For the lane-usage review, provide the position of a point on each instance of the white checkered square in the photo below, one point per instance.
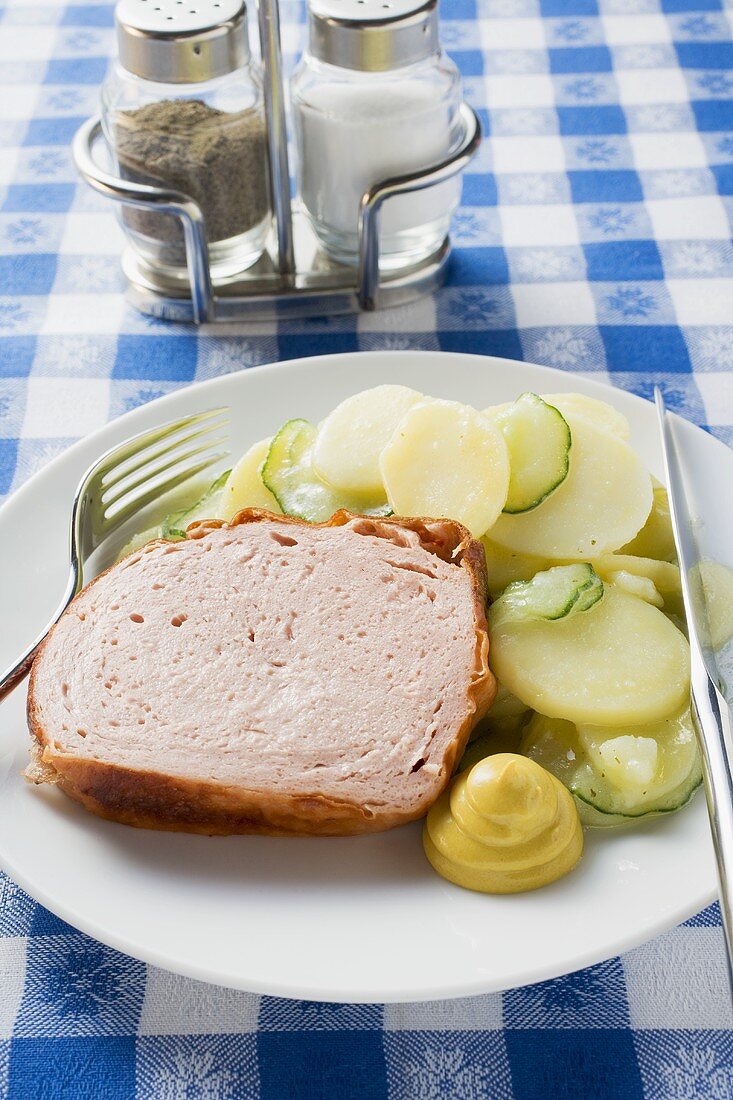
(65, 407)
(19, 100)
(539, 225)
(528, 154)
(701, 301)
(641, 86)
(666, 151)
(700, 217)
(528, 90)
(92, 234)
(458, 1014)
(512, 34)
(679, 980)
(12, 979)
(716, 387)
(105, 315)
(175, 1005)
(636, 30)
(544, 304)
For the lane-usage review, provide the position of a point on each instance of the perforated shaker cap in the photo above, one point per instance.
(181, 41)
(372, 35)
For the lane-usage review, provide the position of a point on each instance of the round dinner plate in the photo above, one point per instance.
(353, 919)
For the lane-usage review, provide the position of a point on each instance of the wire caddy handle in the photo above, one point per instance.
(294, 278)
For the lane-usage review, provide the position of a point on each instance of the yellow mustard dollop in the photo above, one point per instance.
(504, 826)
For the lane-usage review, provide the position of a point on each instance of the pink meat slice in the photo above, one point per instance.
(281, 658)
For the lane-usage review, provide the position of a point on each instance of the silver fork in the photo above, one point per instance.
(120, 483)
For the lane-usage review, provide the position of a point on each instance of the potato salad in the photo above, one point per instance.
(586, 623)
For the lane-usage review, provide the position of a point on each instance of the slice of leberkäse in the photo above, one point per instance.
(269, 676)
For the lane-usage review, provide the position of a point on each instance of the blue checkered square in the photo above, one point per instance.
(623, 260)
(153, 357)
(76, 987)
(27, 274)
(314, 1065)
(599, 1063)
(85, 1068)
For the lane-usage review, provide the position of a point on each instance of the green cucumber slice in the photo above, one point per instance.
(538, 439)
(289, 475)
(617, 775)
(552, 594)
(174, 526)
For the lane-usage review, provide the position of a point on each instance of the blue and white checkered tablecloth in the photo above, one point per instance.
(594, 236)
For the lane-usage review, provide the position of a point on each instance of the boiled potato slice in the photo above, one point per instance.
(351, 439)
(662, 574)
(504, 566)
(628, 761)
(602, 503)
(447, 460)
(656, 539)
(245, 488)
(597, 412)
(635, 585)
(621, 661)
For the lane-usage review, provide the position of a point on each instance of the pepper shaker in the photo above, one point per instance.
(375, 97)
(183, 107)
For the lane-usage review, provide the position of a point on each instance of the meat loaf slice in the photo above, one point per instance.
(268, 676)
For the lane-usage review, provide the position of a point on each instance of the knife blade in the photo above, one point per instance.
(710, 710)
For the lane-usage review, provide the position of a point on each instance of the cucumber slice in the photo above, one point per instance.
(553, 594)
(538, 439)
(206, 507)
(289, 475)
(618, 775)
(602, 503)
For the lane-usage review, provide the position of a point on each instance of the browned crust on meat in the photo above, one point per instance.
(154, 800)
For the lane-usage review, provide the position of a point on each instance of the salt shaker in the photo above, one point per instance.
(183, 107)
(374, 97)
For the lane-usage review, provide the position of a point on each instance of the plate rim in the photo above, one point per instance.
(129, 946)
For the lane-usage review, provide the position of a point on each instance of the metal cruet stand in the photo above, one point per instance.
(294, 278)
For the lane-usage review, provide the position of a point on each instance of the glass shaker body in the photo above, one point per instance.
(354, 129)
(206, 139)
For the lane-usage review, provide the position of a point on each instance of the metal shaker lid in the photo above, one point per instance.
(181, 41)
(372, 35)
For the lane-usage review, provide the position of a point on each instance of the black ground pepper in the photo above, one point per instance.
(219, 158)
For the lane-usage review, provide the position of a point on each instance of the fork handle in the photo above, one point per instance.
(18, 671)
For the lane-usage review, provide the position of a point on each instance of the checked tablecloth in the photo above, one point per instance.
(594, 236)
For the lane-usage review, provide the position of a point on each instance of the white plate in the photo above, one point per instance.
(360, 919)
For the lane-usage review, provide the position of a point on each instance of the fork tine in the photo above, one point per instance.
(116, 456)
(146, 473)
(146, 454)
(173, 482)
